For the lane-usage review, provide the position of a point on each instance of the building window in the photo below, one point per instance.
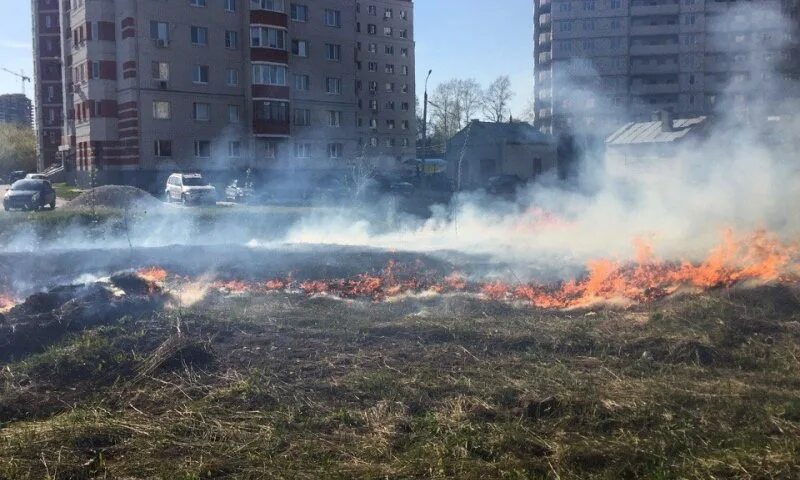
(302, 150)
(200, 74)
(199, 36)
(373, 123)
(266, 74)
(273, 5)
(615, 4)
(373, 105)
(372, 66)
(372, 48)
(405, 125)
(161, 110)
(372, 29)
(373, 142)
(232, 77)
(333, 18)
(373, 10)
(268, 37)
(387, 31)
(333, 85)
(202, 148)
(405, 106)
(159, 31)
(234, 114)
(404, 33)
(272, 111)
(302, 117)
(231, 39)
(389, 142)
(299, 12)
(334, 118)
(389, 87)
(389, 49)
(389, 105)
(162, 148)
(588, 5)
(94, 70)
(389, 68)
(234, 149)
(404, 70)
(270, 150)
(201, 112)
(302, 83)
(300, 48)
(230, 5)
(404, 14)
(197, 3)
(160, 71)
(333, 52)
(335, 150)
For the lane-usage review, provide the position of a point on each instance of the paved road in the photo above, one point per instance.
(59, 201)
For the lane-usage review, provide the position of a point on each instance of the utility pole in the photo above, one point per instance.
(425, 121)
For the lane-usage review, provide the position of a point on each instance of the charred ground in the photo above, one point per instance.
(287, 386)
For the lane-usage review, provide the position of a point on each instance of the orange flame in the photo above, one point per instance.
(6, 303)
(757, 258)
(152, 274)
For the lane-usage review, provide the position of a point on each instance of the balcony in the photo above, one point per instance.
(654, 88)
(663, 9)
(666, 49)
(663, 29)
(646, 68)
(544, 5)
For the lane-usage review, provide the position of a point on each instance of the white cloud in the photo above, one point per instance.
(15, 45)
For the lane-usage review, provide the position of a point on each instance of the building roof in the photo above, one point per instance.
(652, 132)
(505, 132)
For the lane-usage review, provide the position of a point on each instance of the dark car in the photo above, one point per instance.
(18, 175)
(30, 195)
(504, 184)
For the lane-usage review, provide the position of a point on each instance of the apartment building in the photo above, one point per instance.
(638, 56)
(155, 86)
(15, 108)
(48, 87)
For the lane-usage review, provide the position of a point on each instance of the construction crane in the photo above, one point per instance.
(21, 75)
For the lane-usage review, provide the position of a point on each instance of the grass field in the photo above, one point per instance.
(285, 386)
(66, 192)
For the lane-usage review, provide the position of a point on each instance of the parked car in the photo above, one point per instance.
(36, 176)
(30, 195)
(238, 193)
(18, 175)
(189, 189)
(404, 189)
(504, 184)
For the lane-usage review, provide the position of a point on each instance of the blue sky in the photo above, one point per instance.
(455, 38)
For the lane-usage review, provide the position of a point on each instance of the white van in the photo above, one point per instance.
(189, 188)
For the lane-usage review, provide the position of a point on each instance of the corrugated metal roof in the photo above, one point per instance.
(651, 132)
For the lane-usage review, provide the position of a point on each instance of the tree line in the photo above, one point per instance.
(453, 104)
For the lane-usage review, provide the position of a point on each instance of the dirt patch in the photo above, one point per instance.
(114, 196)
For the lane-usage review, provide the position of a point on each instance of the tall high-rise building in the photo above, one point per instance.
(637, 56)
(219, 85)
(48, 90)
(15, 108)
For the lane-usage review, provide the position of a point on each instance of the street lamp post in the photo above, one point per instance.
(425, 121)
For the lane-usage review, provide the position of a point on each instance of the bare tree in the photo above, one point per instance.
(469, 94)
(445, 109)
(529, 114)
(496, 100)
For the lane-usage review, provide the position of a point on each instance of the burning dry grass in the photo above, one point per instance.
(282, 385)
(755, 259)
